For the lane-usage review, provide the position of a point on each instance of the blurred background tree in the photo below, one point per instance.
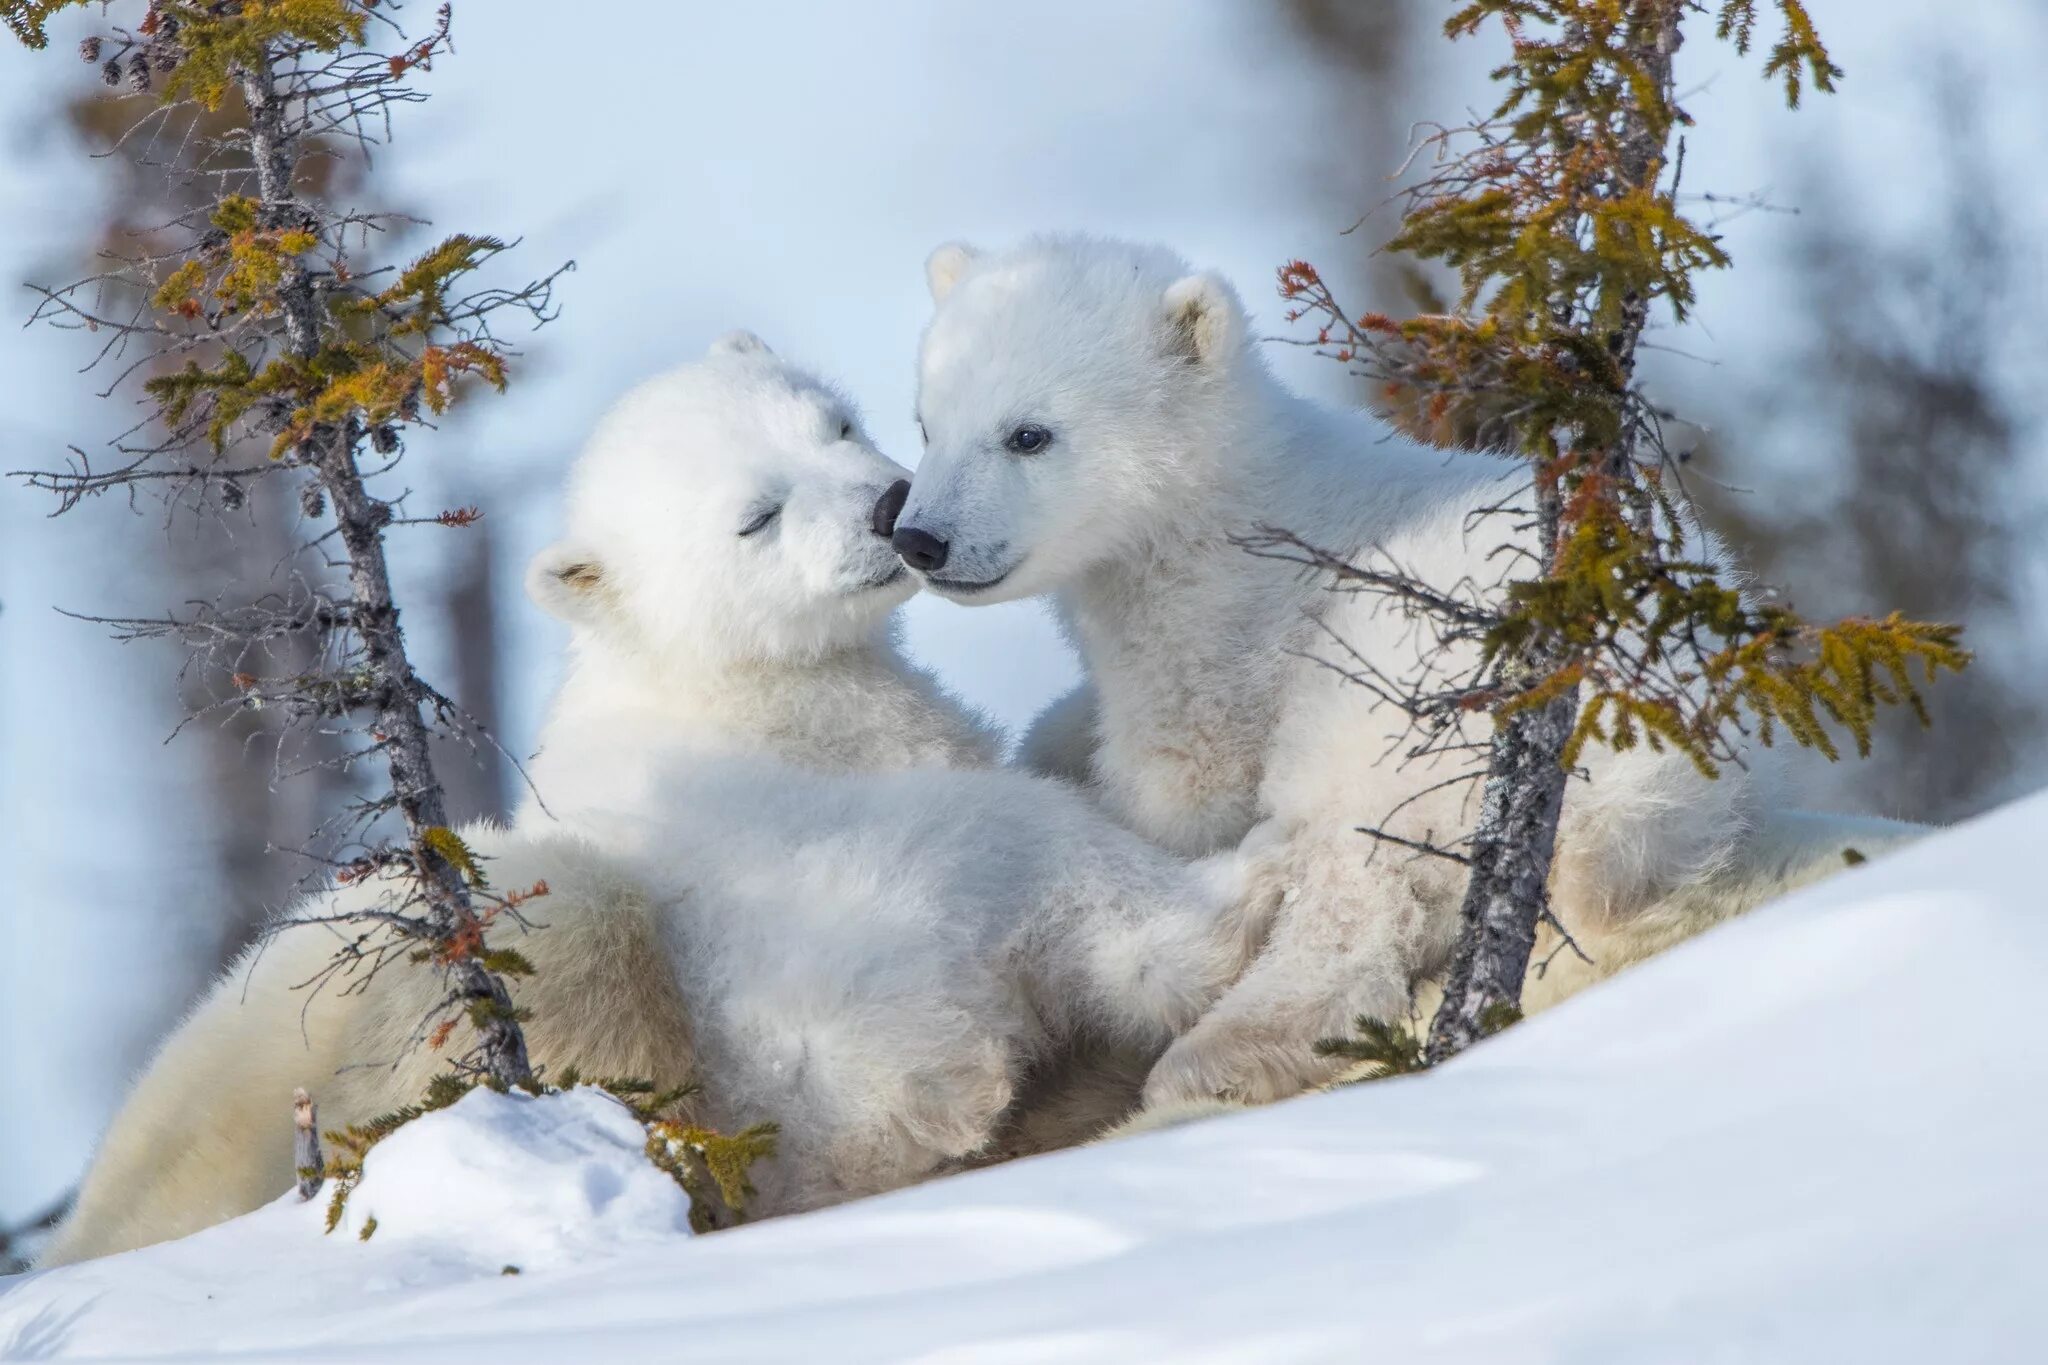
(1907, 388)
(249, 813)
(1366, 56)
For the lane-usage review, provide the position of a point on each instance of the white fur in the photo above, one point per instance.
(1170, 436)
(882, 964)
(1062, 739)
(761, 874)
(206, 1134)
(689, 637)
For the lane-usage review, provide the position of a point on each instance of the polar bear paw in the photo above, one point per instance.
(954, 1109)
(1242, 1061)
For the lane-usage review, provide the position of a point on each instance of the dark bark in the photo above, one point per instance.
(1508, 894)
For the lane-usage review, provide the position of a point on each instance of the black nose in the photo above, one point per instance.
(921, 550)
(883, 519)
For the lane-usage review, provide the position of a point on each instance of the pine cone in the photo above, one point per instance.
(313, 502)
(89, 50)
(138, 71)
(111, 72)
(231, 495)
(385, 440)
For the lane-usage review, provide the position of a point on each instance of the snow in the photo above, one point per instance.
(575, 1166)
(1811, 1135)
(494, 1181)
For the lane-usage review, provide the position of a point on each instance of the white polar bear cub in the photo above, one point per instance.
(728, 591)
(761, 876)
(1099, 426)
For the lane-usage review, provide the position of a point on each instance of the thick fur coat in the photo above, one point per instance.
(1099, 428)
(776, 862)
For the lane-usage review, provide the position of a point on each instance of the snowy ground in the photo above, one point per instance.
(1812, 1136)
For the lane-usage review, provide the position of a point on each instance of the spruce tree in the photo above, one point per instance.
(265, 339)
(1560, 214)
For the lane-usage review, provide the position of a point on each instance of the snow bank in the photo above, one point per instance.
(514, 1180)
(491, 1186)
(1813, 1135)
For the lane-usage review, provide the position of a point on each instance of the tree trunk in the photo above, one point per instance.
(473, 771)
(1508, 894)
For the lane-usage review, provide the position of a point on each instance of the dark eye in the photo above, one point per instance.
(1028, 439)
(846, 431)
(759, 520)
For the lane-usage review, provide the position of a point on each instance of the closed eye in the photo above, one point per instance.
(760, 519)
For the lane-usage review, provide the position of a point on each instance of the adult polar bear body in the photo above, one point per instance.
(791, 900)
(1099, 427)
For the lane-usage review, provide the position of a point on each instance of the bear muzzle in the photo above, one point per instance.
(888, 507)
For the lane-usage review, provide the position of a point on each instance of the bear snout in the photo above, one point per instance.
(890, 506)
(920, 549)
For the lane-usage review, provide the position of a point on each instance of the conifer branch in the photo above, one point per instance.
(264, 344)
(1561, 214)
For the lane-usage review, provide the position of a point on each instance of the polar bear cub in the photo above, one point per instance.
(762, 875)
(1099, 427)
(727, 591)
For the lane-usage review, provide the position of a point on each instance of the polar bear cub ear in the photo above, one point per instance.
(946, 266)
(568, 580)
(1205, 321)
(740, 342)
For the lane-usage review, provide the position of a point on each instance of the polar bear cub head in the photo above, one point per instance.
(1070, 392)
(726, 511)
